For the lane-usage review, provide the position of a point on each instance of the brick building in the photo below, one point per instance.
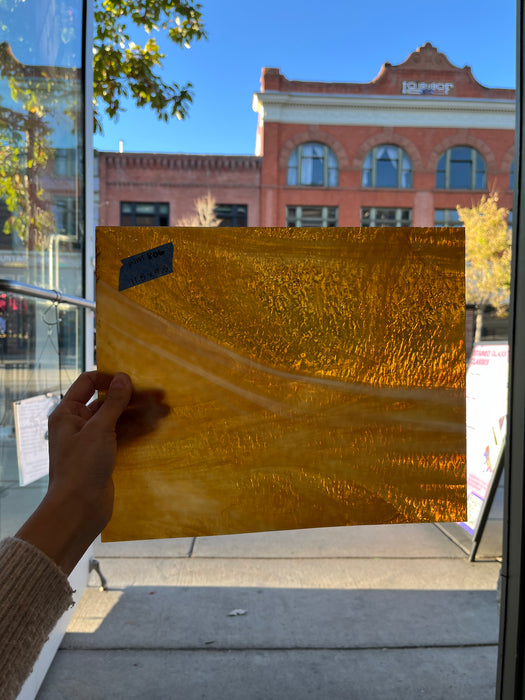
(404, 149)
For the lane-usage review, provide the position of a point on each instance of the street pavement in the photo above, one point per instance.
(386, 612)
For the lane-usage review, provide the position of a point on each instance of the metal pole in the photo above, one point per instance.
(29, 290)
(89, 206)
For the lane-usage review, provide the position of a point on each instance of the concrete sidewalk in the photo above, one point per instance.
(362, 613)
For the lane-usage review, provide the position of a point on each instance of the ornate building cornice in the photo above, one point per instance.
(384, 110)
(426, 71)
(180, 161)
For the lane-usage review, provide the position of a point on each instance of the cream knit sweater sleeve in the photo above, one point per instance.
(34, 593)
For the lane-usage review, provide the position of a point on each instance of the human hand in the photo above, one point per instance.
(83, 445)
(82, 449)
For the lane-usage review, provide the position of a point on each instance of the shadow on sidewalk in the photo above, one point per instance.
(182, 642)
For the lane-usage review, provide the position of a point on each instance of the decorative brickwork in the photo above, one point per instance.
(314, 134)
(463, 138)
(180, 161)
(388, 136)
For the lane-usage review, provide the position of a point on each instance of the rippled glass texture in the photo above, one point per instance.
(315, 377)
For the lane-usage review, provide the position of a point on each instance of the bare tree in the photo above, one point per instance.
(204, 214)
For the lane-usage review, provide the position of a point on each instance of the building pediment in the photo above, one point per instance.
(426, 72)
(427, 58)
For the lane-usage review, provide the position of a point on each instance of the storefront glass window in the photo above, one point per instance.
(42, 219)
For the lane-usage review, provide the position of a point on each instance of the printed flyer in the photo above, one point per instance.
(487, 386)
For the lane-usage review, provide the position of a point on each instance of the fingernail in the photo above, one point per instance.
(120, 381)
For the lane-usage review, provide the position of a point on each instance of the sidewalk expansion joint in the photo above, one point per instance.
(192, 547)
(321, 557)
(208, 648)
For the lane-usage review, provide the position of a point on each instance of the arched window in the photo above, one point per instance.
(387, 166)
(461, 168)
(313, 164)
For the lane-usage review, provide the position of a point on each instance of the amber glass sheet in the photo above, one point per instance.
(315, 377)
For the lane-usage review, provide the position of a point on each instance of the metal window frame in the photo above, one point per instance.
(446, 219)
(475, 158)
(298, 168)
(398, 217)
(326, 221)
(510, 682)
(68, 157)
(89, 204)
(234, 215)
(401, 153)
(156, 213)
(301, 157)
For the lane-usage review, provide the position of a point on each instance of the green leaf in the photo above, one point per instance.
(123, 66)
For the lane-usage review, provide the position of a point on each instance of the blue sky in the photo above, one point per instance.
(341, 40)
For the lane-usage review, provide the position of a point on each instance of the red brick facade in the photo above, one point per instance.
(178, 180)
(424, 106)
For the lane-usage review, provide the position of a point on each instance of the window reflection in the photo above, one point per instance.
(144, 214)
(312, 216)
(447, 217)
(40, 132)
(313, 164)
(41, 216)
(461, 168)
(232, 214)
(384, 216)
(387, 166)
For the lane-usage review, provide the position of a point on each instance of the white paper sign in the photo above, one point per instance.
(31, 436)
(487, 379)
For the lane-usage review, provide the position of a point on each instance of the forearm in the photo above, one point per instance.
(60, 529)
(34, 593)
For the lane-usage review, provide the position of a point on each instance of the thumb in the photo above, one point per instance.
(117, 398)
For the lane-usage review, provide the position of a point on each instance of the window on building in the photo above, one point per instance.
(387, 166)
(232, 214)
(313, 164)
(67, 215)
(144, 214)
(311, 216)
(5, 239)
(8, 241)
(447, 217)
(65, 162)
(461, 168)
(383, 216)
(511, 177)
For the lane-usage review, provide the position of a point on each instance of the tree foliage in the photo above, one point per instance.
(124, 69)
(487, 255)
(23, 156)
(204, 214)
(38, 96)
